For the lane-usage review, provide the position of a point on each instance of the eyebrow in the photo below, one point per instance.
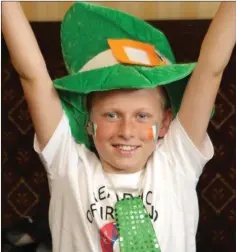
(116, 110)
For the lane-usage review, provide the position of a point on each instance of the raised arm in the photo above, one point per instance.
(204, 83)
(43, 102)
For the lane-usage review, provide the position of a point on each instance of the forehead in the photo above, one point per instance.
(148, 95)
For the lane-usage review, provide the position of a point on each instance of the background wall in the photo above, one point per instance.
(54, 11)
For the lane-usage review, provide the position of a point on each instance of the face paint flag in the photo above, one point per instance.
(152, 132)
(94, 128)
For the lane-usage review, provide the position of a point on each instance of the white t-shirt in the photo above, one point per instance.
(81, 214)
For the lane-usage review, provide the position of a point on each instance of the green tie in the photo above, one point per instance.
(134, 225)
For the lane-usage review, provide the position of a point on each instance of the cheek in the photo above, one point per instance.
(149, 133)
(104, 132)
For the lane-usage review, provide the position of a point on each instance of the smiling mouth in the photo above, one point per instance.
(126, 148)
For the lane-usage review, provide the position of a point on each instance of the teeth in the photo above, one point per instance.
(126, 147)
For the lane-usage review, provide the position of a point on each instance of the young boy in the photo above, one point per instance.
(118, 128)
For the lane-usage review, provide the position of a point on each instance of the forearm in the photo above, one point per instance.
(22, 45)
(220, 40)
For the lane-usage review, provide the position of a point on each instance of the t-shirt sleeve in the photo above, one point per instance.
(183, 154)
(59, 150)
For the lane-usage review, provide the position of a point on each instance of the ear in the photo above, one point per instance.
(166, 120)
(90, 128)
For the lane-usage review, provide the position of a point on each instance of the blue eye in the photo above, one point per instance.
(111, 115)
(143, 116)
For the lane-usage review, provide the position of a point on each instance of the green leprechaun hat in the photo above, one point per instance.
(107, 49)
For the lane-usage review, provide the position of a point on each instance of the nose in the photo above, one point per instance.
(126, 129)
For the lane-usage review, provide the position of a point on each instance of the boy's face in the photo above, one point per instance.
(124, 120)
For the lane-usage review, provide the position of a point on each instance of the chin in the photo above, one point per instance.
(114, 164)
(127, 167)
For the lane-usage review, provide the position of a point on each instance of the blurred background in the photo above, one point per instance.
(54, 11)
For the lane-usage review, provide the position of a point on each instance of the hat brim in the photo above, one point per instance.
(122, 76)
(73, 89)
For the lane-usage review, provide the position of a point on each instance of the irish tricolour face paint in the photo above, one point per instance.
(94, 129)
(152, 133)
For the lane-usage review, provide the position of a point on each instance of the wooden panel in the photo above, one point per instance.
(54, 11)
(167, 10)
(45, 11)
